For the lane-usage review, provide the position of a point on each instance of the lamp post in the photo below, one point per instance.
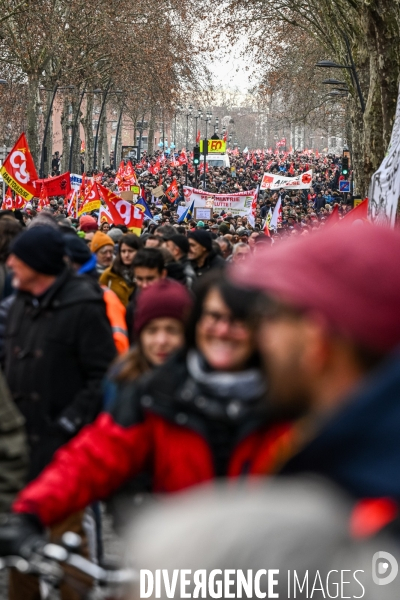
(98, 123)
(199, 116)
(330, 64)
(188, 114)
(216, 125)
(205, 145)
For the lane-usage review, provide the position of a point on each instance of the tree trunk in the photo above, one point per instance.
(65, 122)
(87, 123)
(150, 139)
(100, 141)
(32, 116)
(48, 142)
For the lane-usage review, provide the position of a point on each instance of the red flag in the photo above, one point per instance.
(225, 137)
(8, 201)
(43, 198)
(130, 175)
(55, 186)
(122, 212)
(92, 199)
(334, 217)
(19, 202)
(19, 170)
(120, 173)
(198, 137)
(360, 212)
(291, 169)
(172, 191)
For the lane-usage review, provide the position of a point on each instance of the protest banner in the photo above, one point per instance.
(271, 181)
(237, 204)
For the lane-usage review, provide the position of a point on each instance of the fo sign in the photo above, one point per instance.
(214, 146)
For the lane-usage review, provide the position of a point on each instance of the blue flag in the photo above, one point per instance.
(187, 215)
(143, 206)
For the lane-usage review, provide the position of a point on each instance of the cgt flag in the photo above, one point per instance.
(122, 212)
(19, 170)
(172, 192)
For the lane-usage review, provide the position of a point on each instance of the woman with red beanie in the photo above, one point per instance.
(161, 312)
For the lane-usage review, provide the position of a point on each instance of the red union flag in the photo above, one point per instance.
(55, 186)
(122, 212)
(172, 191)
(8, 201)
(92, 199)
(19, 170)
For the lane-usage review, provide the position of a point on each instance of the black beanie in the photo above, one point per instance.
(42, 248)
(201, 237)
(77, 250)
(181, 241)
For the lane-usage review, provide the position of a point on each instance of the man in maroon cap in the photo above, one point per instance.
(329, 333)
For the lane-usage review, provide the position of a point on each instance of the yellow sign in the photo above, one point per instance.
(14, 185)
(214, 146)
(357, 202)
(135, 189)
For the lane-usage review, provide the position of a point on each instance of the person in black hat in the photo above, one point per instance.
(202, 253)
(58, 343)
(178, 246)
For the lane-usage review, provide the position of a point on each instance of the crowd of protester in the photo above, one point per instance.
(195, 351)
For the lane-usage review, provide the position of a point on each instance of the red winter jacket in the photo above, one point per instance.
(151, 427)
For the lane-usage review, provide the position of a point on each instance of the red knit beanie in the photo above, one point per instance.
(164, 298)
(88, 223)
(348, 274)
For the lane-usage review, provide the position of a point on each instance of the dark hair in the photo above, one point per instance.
(131, 240)
(9, 228)
(151, 258)
(166, 231)
(241, 302)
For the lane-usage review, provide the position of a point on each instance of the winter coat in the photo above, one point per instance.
(213, 261)
(57, 350)
(117, 284)
(13, 449)
(5, 306)
(358, 448)
(166, 429)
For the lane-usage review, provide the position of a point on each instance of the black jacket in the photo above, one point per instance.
(213, 261)
(57, 350)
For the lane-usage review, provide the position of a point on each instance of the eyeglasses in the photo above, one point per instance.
(212, 318)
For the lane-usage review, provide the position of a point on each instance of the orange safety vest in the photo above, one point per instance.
(116, 314)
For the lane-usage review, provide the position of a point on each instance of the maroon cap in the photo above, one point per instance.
(349, 274)
(88, 223)
(164, 298)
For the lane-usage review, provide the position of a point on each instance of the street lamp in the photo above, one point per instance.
(199, 116)
(334, 82)
(330, 64)
(216, 125)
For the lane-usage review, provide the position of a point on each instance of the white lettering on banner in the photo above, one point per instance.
(238, 204)
(76, 181)
(276, 182)
(124, 209)
(20, 173)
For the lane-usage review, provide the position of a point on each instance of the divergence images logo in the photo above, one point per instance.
(384, 568)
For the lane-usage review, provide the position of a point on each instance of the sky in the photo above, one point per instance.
(230, 72)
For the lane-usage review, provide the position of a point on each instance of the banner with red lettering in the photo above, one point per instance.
(19, 171)
(271, 181)
(237, 204)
